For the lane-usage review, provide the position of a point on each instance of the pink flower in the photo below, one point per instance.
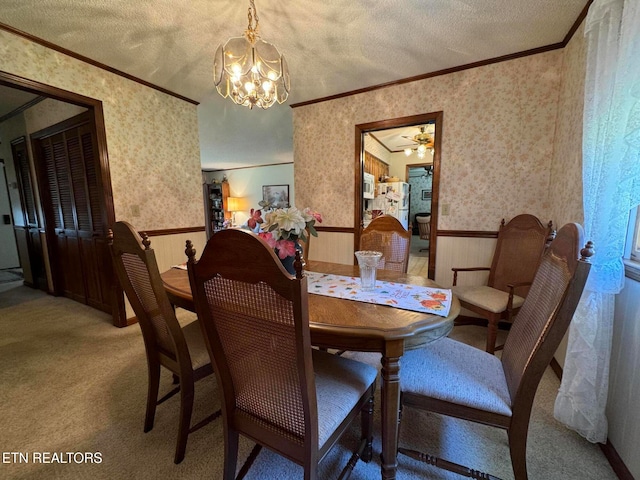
(268, 237)
(310, 214)
(286, 248)
(255, 218)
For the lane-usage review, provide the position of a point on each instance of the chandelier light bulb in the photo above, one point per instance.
(422, 149)
(407, 151)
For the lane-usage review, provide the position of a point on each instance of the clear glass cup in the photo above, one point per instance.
(368, 263)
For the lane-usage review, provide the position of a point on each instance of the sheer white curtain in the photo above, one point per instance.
(611, 186)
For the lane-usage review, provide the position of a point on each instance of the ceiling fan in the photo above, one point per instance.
(424, 142)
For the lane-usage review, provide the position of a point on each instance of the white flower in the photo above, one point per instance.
(284, 222)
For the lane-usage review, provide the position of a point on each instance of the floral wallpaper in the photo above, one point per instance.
(497, 141)
(565, 194)
(152, 138)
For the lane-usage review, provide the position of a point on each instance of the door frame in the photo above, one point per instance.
(363, 128)
(33, 86)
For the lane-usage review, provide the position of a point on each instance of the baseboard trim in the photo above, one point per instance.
(610, 453)
(132, 320)
(617, 464)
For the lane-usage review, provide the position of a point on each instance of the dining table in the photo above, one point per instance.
(345, 324)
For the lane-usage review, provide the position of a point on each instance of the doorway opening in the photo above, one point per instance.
(417, 144)
(111, 298)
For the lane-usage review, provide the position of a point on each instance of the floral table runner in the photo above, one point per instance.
(416, 298)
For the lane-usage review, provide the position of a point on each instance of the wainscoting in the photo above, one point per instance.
(169, 250)
(624, 381)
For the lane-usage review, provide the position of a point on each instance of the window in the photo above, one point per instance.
(632, 250)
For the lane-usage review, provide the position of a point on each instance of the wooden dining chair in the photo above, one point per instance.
(181, 350)
(387, 235)
(276, 389)
(452, 378)
(519, 248)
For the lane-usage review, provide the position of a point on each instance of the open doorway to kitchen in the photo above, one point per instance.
(411, 134)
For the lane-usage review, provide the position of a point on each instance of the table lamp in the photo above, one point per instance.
(233, 206)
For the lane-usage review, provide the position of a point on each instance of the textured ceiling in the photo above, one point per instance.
(333, 46)
(396, 139)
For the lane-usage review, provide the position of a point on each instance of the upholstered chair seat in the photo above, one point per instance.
(486, 298)
(340, 383)
(195, 343)
(466, 376)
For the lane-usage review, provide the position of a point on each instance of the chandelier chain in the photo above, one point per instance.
(252, 13)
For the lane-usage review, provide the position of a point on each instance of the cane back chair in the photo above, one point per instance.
(520, 245)
(276, 389)
(387, 235)
(452, 378)
(181, 350)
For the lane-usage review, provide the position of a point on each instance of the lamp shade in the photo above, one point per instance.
(233, 204)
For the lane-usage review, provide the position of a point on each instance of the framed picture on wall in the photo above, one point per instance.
(277, 196)
(426, 194)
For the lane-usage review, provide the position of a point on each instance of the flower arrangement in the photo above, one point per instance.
(282, 227)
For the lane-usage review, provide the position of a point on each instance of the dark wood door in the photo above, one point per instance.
(74, 211)
(26, 225)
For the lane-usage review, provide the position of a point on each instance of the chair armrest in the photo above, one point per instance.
(471, 269)
(513, 286)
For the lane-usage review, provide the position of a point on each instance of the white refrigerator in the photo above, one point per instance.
(393, 199)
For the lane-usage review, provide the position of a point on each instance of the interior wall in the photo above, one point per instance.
(399, 162)
(492, 119)
(10, 129)
(624, 381)
(152, 137)
(565, 189)
(376, 149)
(8, 252)
(247, 184)
(49, 112)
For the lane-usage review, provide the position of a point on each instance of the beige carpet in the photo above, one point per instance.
(71, 382)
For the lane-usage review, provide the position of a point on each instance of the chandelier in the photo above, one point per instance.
(424, 143)
(249, 70)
